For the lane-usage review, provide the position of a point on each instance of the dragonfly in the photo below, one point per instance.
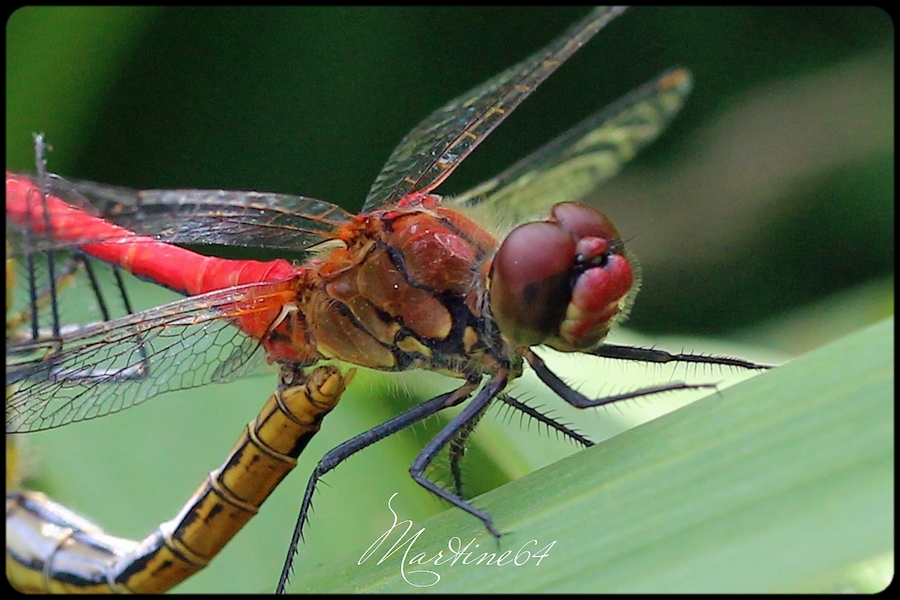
(52, 549)
(465, 286)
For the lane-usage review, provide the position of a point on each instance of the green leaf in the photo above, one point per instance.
(763, 487)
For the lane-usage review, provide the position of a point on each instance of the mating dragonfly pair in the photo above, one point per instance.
(415, 281)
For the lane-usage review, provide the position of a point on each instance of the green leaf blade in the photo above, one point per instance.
(774, 482)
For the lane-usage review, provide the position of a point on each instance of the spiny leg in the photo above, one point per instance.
(661, 356)
(579, 400)
(457, 446)
(459, 423)
(457, 450)
(342, 452)
(547, 420)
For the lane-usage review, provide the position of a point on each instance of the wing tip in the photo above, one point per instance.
(678, 79)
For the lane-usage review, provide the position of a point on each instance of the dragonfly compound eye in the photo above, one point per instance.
(585, 222)
(561, 282)
(530, 287)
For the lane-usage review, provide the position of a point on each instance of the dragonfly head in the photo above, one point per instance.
(561, 282)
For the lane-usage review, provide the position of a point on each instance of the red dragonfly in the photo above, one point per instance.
(414, 281)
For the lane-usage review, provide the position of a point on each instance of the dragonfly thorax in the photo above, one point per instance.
(406, 290)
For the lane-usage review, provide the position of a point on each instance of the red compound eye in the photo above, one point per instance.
(560, 282)
(530, 286)
(584, 221)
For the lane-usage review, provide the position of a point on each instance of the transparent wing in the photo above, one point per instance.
(215, 217)
(435, 147)
(574, 164)
(105, 367)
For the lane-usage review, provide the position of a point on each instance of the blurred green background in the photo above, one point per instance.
(764, 214)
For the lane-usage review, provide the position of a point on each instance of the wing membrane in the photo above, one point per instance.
(209, 217)
(435, 147)
(109, 366)
(574, 164)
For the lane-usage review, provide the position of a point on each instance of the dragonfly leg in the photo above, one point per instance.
(547, 420)
(579, 400)
(457, 446)
(661, 356)
(45, 293)
(459, 423)
(340, 453)
(457, 450)
(32, 348)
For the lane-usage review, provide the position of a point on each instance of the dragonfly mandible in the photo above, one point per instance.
(414, 281)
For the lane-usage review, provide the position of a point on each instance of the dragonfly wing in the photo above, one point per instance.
(105, 367)
(209, 217)
(574, 164)
(435, 147)
(221, 217)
